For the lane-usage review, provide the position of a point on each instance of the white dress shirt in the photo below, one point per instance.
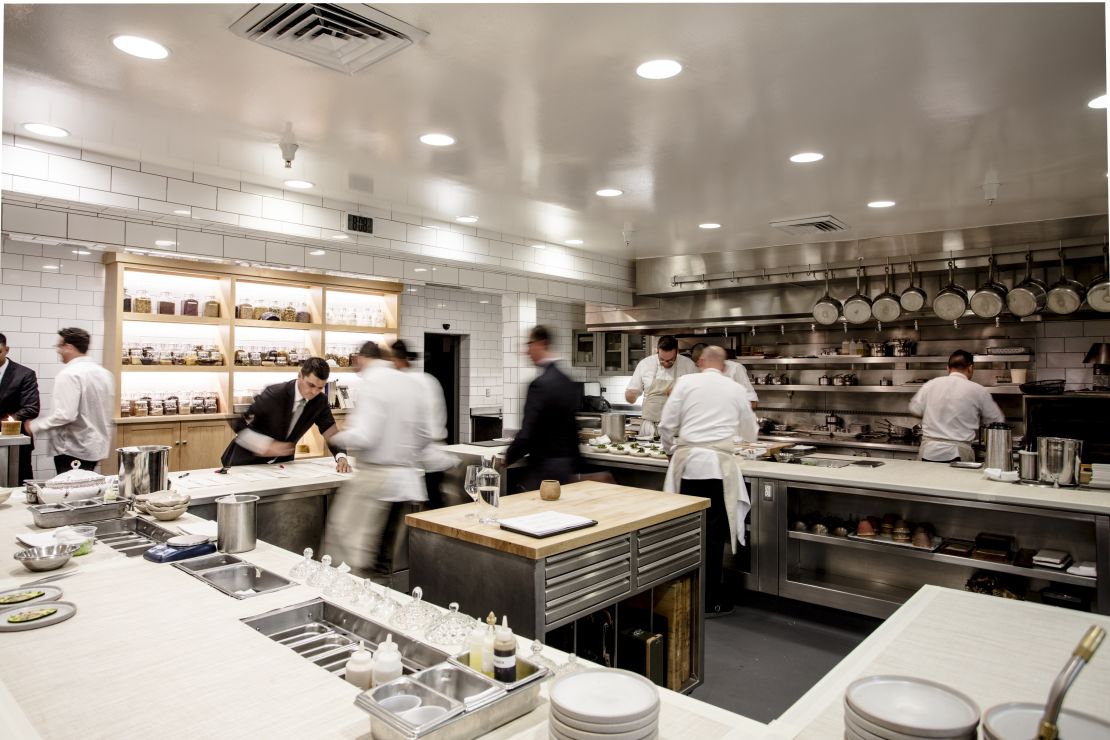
(706, 407)
(952, 408)
(80, 424)
(390, 426)
(649, 369)
(739, 373)
(3, 370)
(434, 459)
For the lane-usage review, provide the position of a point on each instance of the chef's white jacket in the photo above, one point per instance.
(739, 373)
(648, 370)
(706, 407)
(80, 424)
(952, 408)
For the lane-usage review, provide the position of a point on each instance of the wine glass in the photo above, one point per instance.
(470, 485)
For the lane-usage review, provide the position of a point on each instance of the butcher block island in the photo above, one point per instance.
(626, 591)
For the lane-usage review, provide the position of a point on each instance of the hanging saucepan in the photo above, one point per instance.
(1027, 297)
(827, 309)
(1065, 296)
(1098, 292)
(951, 302)
(989, 300)
(913, 298)
(886, 306)
(857, 309)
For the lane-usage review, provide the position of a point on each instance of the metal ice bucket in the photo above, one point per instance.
(143, 469)
(1058, 460)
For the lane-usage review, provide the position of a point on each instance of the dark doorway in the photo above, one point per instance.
(441, 360)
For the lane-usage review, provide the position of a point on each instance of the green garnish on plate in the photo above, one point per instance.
(21, 596)
(31, 615)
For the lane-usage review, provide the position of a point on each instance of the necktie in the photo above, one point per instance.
(298, 407)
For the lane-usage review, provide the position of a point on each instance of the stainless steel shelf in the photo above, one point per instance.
(1044, 574)
(848, 360)
(840, 592)
(1002, 390)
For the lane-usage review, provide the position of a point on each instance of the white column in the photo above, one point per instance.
(518, 316)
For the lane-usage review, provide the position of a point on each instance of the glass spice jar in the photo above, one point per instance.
(259, 311)
(185, 404)
(126, 301)
(197, 404)
(142, 303)
(289, 312)
(156, 406)
(125, 407)
(170, 405)
(140, 406)
(282, 358)
(204, 357)
(303, 316)
(216, 357)
(211, 403)
(189, 306)
(244, 310)
(256, 357)
(191, 356)
(242, 357)
(166, 304)
(211, 307)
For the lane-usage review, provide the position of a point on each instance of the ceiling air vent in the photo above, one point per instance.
(346, 38)
(822, 224)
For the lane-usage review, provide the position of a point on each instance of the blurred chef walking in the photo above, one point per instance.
(19, 400)
(387, 431)
(436, 461)
(733, 370)
(704, 414)
(952, 408)
(79, 427)
(654, 378)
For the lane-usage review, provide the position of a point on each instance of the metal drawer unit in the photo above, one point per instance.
(665, 550)
(577, 580)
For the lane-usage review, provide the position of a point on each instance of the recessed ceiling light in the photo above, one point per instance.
(573, 242)
(709, 226)
(880, 204)
(539, 246)
(437, 139)
(164, 242)
(1099, 102)
(807, 157)
(339, 236)
(299, 184)
(420, 269)
(45, 129)
(483, 301)
(610, 192)
(137, 46)
(659, 69)
(50, 267)
(467, 219)
(317, 253)
(182, 211)
(412, 290)
(81, 251)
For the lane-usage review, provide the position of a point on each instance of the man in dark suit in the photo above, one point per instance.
(19, 399)
(280, 415)
(548, 433)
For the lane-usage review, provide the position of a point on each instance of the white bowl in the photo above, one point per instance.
(167, 515)
(912, 706)
(1020, 720)
(604, 696)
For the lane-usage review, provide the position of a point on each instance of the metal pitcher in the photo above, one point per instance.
(143, 469)
(999, 443)
(612, 425)
(1058, 460)
(235, 523)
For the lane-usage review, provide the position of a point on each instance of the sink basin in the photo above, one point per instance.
(465, 687)
(241, 580)
(327, 635)
(130, 535)
(828, 462)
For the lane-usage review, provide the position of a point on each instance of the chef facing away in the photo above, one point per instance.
(952, 408)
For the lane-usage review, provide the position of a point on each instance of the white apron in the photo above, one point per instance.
(655, 398)
(737, 502)
(964, 449)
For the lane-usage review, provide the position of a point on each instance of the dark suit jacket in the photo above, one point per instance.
(270, 414)
(548, 433)
(19, 399)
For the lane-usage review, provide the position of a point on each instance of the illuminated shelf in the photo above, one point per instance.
(362, 329)
(266, 368)
(173, 368)
(158, 318)
(276, 324)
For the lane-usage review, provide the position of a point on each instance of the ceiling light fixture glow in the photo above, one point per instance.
(164, 242)
(81, 251)
(437, 139)
(137, 46)
(1099, 102)
(573, 242)
(539, 246)
(803, 157)
(339, 236)
(483, 301)
(45, 129)
(51, 267)
(659, 69)
(299, 184)
(182, 211)
(610, 192)
(317, 253)
(467, 219)
(880, 204)
(420, 269)
(709, 226)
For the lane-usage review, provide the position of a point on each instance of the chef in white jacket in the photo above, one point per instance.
(952, 408)
(435, 461)
(654, 377)
(387, 432)
(733, 370)
(703, 416)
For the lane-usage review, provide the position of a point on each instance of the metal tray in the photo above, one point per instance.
(49, 516)
(526, 671)
(885, 539)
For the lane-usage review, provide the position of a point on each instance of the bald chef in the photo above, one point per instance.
(655, 376)
(701, 419)
(952, 408)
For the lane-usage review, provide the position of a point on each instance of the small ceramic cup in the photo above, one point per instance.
(550, 490)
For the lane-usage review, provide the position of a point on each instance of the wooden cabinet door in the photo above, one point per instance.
(132, 435)
(202, 443)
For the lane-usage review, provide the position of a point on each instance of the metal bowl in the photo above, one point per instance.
(39, 559)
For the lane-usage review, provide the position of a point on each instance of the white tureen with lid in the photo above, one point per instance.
(73, 485)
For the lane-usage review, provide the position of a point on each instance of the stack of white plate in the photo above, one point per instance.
(604, 705)
(907, 708)
(1022, 720)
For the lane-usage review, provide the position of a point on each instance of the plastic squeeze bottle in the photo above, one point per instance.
(504, 653)
(387, 662)
(487, 646)
(475, 644)
(360, 667)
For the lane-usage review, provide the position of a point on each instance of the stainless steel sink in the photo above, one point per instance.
(234, 577)
(130, 535)
(828, 462)
(327, 635)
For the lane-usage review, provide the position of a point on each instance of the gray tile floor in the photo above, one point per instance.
(761, 658)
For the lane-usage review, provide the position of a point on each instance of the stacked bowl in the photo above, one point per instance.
(604, 704)
(1022, 720)
(163, 505)
(907, 708)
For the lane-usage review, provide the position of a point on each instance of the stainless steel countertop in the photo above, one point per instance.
(828, 441)
(14, 440)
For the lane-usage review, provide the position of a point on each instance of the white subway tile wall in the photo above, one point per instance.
(1061, 346)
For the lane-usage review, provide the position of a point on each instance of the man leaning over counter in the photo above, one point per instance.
(654, 377)
(733, 370)
(280, 415)
(952, 409)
